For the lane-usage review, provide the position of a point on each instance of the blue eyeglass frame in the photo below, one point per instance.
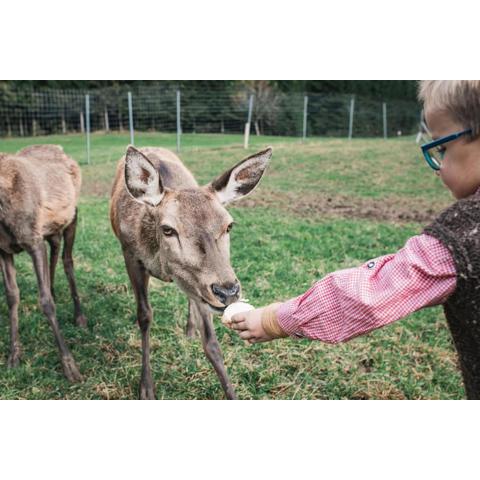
(432, 163)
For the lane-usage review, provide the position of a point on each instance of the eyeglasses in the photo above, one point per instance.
(433, 152)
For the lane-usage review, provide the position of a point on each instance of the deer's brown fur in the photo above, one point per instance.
(39, 190)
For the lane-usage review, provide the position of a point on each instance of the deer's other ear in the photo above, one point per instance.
(142, 179)
(242, 179)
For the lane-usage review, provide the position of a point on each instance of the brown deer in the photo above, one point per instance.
(39, 189)
(172, 229)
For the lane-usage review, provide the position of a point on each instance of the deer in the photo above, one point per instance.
(172, 229)
(39, 191)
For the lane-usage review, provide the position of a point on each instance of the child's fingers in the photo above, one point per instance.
(239, 326)
(246, 335)
(238, 317)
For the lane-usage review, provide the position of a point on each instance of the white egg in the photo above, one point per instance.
(234, 308)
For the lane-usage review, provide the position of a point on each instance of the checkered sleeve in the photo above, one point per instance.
(355, 301)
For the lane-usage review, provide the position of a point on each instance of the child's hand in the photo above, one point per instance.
(259, 325)
(249, 326)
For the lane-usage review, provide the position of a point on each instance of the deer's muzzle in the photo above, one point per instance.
(227, 293)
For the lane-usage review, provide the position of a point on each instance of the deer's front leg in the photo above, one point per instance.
(39, 257)
(212, 348)
(13, 299)
(139, 279)
(191, 329)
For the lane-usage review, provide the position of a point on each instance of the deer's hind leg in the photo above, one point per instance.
(54, 242)
(13, 299)
(212, 348)
(67, 257)
(139, 278)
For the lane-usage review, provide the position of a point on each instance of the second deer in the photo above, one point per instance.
(39, 189)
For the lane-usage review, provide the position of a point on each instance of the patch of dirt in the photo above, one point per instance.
(392, 209)
(321, 205)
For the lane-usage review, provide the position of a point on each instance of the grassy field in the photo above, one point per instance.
(324, 205)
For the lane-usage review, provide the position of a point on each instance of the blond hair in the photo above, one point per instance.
(458, 98)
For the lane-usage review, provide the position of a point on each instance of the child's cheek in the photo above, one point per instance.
(444, 174)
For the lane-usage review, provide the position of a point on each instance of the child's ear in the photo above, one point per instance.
(242, 179)
(142, 179)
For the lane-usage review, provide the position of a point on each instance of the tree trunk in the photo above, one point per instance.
(82, 123)
(120, 123)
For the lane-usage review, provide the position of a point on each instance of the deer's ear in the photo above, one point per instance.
(242, 179)
(142, 179)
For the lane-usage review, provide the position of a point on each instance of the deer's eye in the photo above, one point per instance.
(168, 231)
(229, 228)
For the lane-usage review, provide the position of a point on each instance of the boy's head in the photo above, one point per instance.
(452, 106)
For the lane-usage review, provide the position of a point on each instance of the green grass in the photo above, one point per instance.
(277, 251)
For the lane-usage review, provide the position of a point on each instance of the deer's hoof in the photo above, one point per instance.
(147, 392)
(81, 321)
(70, 370)
(13, 360)
(231, 395)
(191, 332)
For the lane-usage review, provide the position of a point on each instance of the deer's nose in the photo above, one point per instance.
(226, 293)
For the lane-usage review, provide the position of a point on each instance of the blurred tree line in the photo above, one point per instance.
(37, 107)
(378, 89)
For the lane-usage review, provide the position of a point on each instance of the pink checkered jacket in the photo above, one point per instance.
(355, 301)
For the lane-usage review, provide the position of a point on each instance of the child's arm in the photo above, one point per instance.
(352, 302)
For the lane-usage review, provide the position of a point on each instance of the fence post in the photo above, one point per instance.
(107, 123)
(130, 118)
(305, 107)
(384, 121)
(249, 121)
(87, 115)
(350, 123)
(82, 123)
(421, 128)
(179, 123)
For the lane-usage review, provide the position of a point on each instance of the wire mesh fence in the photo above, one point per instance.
(164, 109)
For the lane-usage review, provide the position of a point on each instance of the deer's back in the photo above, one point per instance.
(39, 189)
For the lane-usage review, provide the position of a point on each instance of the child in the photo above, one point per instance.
(440, 266)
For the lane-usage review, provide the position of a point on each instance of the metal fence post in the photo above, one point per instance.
(350, 122)
(130, 118)
(305, 107)
(249, 121)
(87, 115)
(106, 120)
(179, 123)
(384, 120)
